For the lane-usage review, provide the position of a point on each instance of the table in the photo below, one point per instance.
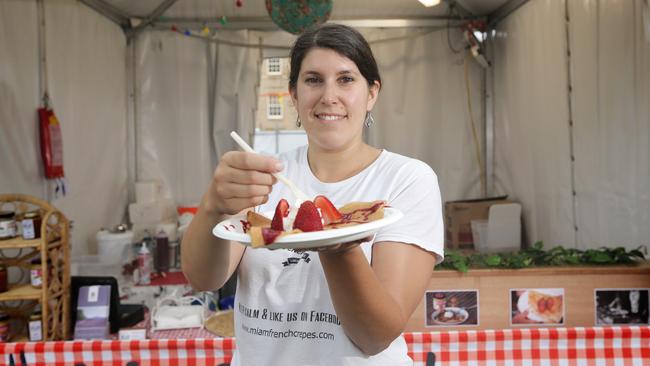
(590, 346)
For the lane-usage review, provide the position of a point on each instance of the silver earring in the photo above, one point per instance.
(298, 123)
(369, 119)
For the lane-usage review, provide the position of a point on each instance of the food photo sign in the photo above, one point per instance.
(451, 308)
(622, 306)
(532, 306)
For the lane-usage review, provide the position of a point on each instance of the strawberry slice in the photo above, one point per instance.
(327, 209)
(281, 211)
(307, 218)
(269, 235)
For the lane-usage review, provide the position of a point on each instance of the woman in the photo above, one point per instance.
(341, 305)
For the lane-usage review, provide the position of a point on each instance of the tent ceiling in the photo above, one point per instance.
(197, 10)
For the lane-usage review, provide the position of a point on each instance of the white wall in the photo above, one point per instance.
(608, 105)
(87, 84)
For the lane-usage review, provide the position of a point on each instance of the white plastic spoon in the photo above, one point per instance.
(300, 195)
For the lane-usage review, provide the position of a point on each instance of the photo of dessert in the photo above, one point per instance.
(537, 306)
(451, 308)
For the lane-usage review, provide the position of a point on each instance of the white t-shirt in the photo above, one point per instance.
(283, 311)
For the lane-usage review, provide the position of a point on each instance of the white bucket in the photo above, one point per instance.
(114, 247)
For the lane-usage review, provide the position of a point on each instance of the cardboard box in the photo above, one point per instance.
(458, 218)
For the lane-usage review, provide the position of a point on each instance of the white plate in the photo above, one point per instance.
(231, 229)
(463, 313)
(523, 305)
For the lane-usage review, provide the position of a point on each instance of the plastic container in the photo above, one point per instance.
(480, 235)
(144, 264)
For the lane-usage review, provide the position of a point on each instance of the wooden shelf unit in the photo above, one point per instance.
(53, 249)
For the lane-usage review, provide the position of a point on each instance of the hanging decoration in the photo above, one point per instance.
(239, 3)
(296, 16)
(223, 20)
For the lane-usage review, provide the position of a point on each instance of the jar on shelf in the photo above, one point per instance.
(4, 327)
(35, 327)
(36, 273)
(4, 283)
(31, 225)
(8, 228)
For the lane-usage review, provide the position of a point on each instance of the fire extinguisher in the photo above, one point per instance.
(51, 145)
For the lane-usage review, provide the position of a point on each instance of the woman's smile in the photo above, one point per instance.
(330, 117)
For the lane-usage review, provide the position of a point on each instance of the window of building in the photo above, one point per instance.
(273, 66)
(275, 117)
(274, 107)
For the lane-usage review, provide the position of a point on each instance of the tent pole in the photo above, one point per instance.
(131, 111)
(42, 67)
(155, 14)
(488, 120)
(109, 11)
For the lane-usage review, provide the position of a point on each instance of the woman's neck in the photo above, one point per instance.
(330, 167)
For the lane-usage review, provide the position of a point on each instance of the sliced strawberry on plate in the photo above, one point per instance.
(261, 236)
(281, 211)
(269, 235)
(327, 209)
(307, 218)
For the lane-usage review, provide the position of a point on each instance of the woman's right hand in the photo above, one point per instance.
(241, 180)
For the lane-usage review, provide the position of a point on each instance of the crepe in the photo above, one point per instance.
(546, 307)
(261, 232)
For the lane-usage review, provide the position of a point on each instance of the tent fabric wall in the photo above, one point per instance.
(611, 71)
(83, 49)
(172, 134)
(20, 169)
(176, 142)
(422, 108)
(610, 138)
(531, 118)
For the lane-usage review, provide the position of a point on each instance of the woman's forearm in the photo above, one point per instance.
(370, 316)
(205, 258)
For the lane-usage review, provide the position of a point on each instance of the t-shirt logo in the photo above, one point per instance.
(295, 260)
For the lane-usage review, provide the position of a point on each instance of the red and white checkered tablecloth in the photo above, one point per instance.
(596, 346)
(616, 346)
(153, 352)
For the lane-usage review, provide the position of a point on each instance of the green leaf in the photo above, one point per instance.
(493, 260)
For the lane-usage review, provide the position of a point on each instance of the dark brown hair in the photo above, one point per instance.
(345, 40)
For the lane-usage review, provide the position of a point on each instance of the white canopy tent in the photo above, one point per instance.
(562, 113)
